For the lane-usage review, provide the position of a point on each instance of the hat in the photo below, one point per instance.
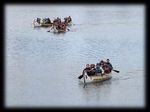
(101, 61)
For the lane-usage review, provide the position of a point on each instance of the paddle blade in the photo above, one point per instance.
(116, 71)
(84, 82)
(80, 76)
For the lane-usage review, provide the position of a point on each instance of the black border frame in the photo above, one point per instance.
(2, 95)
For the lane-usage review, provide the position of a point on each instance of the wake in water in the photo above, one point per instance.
(130, 74)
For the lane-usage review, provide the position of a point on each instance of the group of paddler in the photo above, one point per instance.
(101, 68)
(57, 23)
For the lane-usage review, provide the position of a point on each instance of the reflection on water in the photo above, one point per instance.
(42, 67)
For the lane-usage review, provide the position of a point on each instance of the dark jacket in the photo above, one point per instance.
(109, 65)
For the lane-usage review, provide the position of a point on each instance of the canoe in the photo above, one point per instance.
(45, 25)
(36, 24)
(54, 30)
(41, 25)
(96, 78)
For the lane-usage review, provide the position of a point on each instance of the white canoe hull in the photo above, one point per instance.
(36, 24)
(97, 78)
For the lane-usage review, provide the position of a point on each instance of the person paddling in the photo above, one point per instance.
(87, 69)
(109, 64)
(67, 19)
(106, 68)
(93, 69)
(99, 69)
(38, 20)
(70, 19)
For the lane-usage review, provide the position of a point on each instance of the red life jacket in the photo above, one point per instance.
(106, 69)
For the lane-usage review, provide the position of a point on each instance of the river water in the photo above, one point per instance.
(41, 68)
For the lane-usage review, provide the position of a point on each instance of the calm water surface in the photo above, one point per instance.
(42, 67)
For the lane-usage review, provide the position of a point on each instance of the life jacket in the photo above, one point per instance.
(106, 69)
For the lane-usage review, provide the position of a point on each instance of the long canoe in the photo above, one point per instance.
(41, 25)
(36, 24)
(96, 78)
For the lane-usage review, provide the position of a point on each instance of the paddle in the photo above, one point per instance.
(116, 71)
(84, 79)
(52, 27)
(81, 75)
